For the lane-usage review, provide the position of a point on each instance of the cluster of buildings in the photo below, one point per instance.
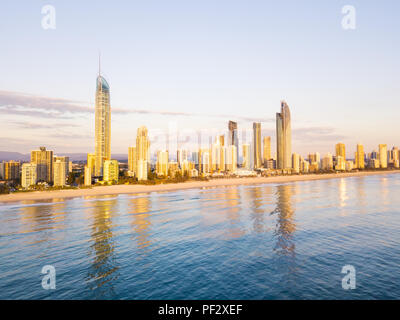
(381, 159)
(44, 168)
(220, 158)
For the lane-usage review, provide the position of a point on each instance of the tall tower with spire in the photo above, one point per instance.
(102, 124)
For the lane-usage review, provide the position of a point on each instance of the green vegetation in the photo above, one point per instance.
(4, 189)
(41, 187)
(153, 179)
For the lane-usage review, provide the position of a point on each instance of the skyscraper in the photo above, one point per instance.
(341, 150)
(181, 155)
(60, 169)
(102, 125)
(246, 156)
(204, 161)
(88, 176)
(11, 170)
(216, 157)
(340, 163)
(66, 170)
(91, 160)
(221, 140)
(296, 162)
(162, 163)
(132, 161)
(2, 170)
(383, 156)
(283, 138)
(231, 159)
(257, 144)
(233, 139)
(44, 160)
(111, 170)
(267, 149)
(360, 163)
(395, 157)
(327, 162)
(142, 153)
(28, 175)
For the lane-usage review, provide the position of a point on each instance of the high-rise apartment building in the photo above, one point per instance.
(395, 155)
(359, 157)
(349, 165)
(181, 156)
(340, 163)
(111, 171)
(296, 162)
(88, 176)
(246, 156)
(341, 150)
(143, 146)
(28, 175)
(142, 169)
(257, 145)
(231, 159)
(205, 161)
(221, 140)
(44, 160)
(102, 125)
(383, 161)
(233, 138)
(132, 161)
(67, 162)
(11, 170)
(162, 163)
(267, 149)
(60, 169)
(284, 138)
(216, 159)
(304, 166)
(327, 162)
(2, 170)
(91, 160)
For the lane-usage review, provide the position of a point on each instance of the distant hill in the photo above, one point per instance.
(7, 156)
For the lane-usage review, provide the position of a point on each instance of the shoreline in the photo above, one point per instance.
(138, 188)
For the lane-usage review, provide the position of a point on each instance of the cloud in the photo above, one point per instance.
(24, 104)
(72, 136)
(312, 134)
(31, 125)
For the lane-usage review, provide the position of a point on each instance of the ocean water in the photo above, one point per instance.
(285, 241)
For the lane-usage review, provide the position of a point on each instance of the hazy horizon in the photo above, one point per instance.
(197, 66)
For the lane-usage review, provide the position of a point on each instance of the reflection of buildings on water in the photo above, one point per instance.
(360, 192)
(285, 225)
(385, 193)
(102, 272)
(342, 192)
(232, 201)
(42, 217)
(258, 198)
(220, 210)
(225, 208)
(139, 209)
(284, 249)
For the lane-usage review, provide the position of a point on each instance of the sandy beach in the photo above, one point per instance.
(134, 189)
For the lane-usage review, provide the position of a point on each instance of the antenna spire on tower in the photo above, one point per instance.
(99, 62)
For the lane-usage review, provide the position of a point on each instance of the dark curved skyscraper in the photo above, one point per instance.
(283, 138)
(233, 137)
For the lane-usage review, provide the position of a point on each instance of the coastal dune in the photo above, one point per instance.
(138, 188)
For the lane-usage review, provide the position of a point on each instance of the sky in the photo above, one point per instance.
(184, 66)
